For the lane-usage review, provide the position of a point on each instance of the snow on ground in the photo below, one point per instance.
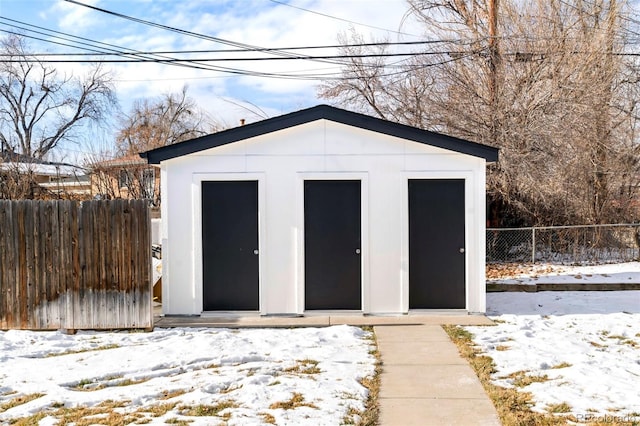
(252, 369)
(617, 273)
(587, 344)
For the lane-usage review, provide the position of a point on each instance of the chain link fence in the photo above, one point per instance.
(564, 244)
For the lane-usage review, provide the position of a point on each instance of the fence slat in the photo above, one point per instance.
(20, 263)
(41, 220)
(146, 287)
(67, 225)
(6, 294)
(86, 301)
(30, 271)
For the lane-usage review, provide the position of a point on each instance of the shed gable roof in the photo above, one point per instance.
(320, 112)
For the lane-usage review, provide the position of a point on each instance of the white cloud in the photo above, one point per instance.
(73, 18)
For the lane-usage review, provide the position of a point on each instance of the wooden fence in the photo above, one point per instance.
(70, 265)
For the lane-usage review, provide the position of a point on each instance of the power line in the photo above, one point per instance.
(117, 50)
(92, 44)
(93, 48)
(131, 56)
(242, 59)
(157, 57)
(268, 49)
(178, 30)
(160, 58)
(340, 19)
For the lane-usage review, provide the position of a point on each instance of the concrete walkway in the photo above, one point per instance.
(425, 381)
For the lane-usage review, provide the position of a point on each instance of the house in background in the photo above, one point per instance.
(26, 177)
(323, 210)
(128, 177)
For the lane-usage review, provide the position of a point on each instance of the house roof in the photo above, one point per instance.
(43, 169)
(24, 164)
(127, 160)
(320, 112)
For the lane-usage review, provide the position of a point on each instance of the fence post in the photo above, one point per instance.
(533, 245)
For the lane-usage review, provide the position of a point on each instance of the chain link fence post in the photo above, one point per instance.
(533, 245)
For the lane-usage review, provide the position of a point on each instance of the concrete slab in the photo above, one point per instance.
(437, 411)
(430, 381)
(411, 333)
(419, 352)
(238, 321)
(373, 320)
(241, 322)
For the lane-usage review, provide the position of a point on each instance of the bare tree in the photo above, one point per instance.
(127, 178)
(152, 123)
(16, 183)
(41, 107)
(540, 79)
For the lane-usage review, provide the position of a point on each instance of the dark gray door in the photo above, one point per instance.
(436, 244)
(332, 244)
(230, 245)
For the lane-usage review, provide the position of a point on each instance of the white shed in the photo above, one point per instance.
(323, 210)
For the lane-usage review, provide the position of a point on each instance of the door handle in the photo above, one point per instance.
(255, 251)
(461, 249)
(357, 251)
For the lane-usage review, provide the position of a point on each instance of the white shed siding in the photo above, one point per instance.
(280, 161)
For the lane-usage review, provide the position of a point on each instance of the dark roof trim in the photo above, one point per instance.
(155, 156)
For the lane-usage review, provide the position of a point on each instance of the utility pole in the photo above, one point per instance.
(495, 67)
(603, 120)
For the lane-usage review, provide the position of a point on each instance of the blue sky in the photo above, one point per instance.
(264, 23)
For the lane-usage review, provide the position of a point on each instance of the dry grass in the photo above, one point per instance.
(158, 410)
(351, 416)
(296, 400)
(514, 408)
(561, 407)
(371, 414)
(521, 379)
(167, 394)
(19, 400)
(131, 382)
(104, 414)
(175, 421)
(623, 340)
(79, 351)
(268, 418)
(561, 365)
(207, 410)
(304, 366)
(33, 420)
(90, 385)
